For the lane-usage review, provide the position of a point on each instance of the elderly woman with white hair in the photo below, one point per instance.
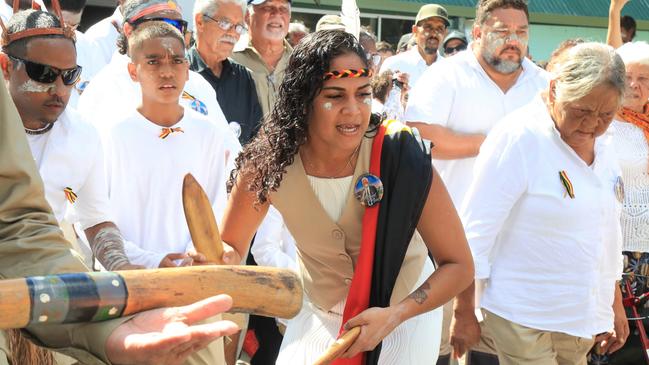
(630, 133)
(542, 217)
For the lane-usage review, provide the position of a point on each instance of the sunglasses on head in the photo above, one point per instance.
(449, 50)
(179, 24)
(47, 74)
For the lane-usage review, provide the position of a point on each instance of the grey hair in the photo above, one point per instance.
(210, 7)
(634, 53)
(297, 27)
(29, 19)
(586, 66)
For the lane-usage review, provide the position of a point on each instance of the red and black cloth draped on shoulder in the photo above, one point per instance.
(403, 162)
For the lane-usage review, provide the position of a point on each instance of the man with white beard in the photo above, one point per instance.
(268, 51)
(456, 102)
(219, 24)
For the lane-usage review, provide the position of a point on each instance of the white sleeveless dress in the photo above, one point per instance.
(308, 335)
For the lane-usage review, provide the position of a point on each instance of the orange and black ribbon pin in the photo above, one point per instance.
(70, 195)
(570, 190)
(167, 131)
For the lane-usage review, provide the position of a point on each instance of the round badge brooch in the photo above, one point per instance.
(199, 106)
(368, 190)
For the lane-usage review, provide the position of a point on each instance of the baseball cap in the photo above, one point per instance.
(259, 2)
(432, 10)
(455, 34)
(330, 21)
(404, 40)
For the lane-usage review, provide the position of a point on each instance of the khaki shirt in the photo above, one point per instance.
(266, 81)
(31, 242)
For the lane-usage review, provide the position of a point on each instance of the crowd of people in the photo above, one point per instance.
(447, 197)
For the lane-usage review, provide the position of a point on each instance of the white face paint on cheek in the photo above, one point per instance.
(327, 106)
(31, 86)
(368, 101)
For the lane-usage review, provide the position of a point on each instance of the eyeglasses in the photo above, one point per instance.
(452, 50)
(268, 9)
(226, 24)
(375, 58)
(47, 74)
(430, 29)
(179, 24)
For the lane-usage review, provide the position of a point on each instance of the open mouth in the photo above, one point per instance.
(348, 129)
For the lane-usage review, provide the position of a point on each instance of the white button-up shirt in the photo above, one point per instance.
(550, 261)
(410, 62)
(6, 12)
(457, 93)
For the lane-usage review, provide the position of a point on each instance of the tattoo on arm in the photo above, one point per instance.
(108, 247)
(420, 295)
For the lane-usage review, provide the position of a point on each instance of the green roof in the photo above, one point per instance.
(593, 13)
(639, 9)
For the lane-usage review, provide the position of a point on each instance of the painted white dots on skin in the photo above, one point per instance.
(31, 86)
(328, 106)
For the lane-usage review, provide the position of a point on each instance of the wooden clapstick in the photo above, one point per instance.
(339, 347)
(97, 296)
(201, 222)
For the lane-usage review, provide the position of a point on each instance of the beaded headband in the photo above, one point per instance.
(363, 72)
(168, 5)
(64, 30)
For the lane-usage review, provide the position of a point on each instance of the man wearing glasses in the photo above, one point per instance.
(219, 24)
(267, 53)
(429, 31)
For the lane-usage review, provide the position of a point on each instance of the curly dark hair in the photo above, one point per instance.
(265, 159)
(485, 7)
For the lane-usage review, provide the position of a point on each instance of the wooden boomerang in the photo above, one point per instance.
(201, 222)
(339, 347)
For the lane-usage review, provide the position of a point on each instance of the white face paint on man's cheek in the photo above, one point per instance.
(368, 101)
(31, 86)
(327, 106)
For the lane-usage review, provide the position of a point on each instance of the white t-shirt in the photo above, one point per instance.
(550, 261)
(410, 62)
(70, 155)
(104, 35)
(91, 62)
(457, 93)
(145, 174)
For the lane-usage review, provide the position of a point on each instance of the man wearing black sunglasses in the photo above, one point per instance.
(40, 73)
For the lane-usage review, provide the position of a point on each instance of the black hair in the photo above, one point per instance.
(73, 6)
(265, 159)
(151, 30)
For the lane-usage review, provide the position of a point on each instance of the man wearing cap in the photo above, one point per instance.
(219, 24)
(268, 51)
(429, 31)
(454, 42)
(455, 105)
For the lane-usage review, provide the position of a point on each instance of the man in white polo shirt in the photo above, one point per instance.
(429, 31)
(459, 100)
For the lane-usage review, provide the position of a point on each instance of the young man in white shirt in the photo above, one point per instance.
(40, 72)
(460, 99)
(150, 150)
(429, 31)
(112, 94)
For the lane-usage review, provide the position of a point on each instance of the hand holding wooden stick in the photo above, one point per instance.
(339, 347)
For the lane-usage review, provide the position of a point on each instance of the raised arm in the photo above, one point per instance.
(614, 34)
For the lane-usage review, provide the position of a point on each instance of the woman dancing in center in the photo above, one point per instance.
(362, 264)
